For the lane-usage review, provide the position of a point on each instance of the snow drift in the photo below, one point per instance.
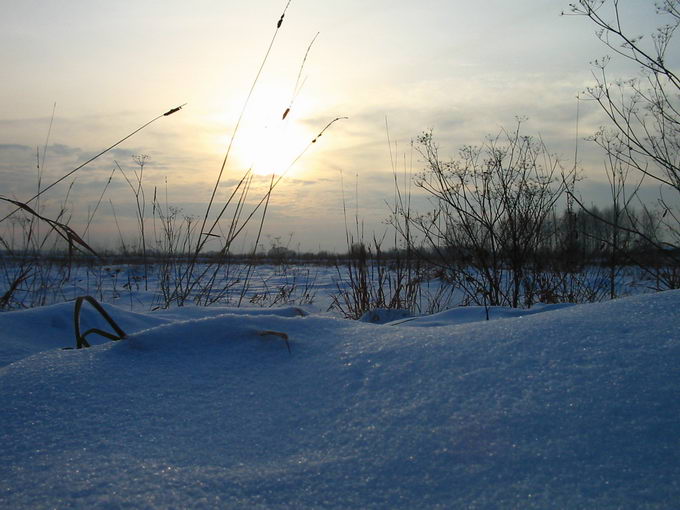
(572, 407)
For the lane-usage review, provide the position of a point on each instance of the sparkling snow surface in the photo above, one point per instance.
(571, 407)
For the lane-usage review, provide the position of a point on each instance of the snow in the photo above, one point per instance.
(556, 407)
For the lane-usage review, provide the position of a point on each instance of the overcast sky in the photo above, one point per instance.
(462, 69)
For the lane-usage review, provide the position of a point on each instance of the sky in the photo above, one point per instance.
(80, 75)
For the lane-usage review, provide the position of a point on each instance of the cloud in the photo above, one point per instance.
(14, 147)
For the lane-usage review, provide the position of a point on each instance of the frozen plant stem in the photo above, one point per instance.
(65, 176)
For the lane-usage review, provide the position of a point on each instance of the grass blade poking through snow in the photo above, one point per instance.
(190, 281)
(80, 337)
(202, 237)
(65, 176)
(298, 84)
(66, 232)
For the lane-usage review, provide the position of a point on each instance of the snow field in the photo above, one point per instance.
(570, 407)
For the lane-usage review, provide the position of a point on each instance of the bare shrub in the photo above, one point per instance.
(489, 210)
(641, 140)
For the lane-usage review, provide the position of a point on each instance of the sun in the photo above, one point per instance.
(271, 149)
(266, 142)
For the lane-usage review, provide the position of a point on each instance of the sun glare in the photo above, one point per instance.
(266, 142)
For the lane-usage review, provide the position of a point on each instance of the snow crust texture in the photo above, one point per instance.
(576, 407)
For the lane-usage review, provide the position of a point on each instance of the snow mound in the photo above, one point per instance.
(568, 408)
(466, 314)
(384, 315)
(27, 332)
